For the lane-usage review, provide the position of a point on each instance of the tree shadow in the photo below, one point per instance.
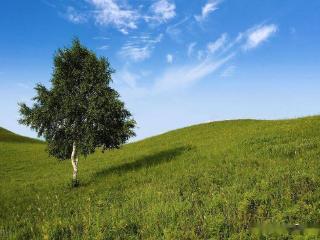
(143, 162)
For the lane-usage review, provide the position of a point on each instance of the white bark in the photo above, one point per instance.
(74, 161)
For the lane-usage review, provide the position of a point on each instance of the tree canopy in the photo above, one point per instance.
(80, 108)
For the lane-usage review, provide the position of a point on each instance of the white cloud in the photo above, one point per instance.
(176, 77)
(120, 15)
(191, 48)
(175, 30)
(211, 48)
(173, 78)
(169, 58)
(258, 35)
(108, 12)
(218, 44)
(234, 43)
(183, 76)
(208, 8)
(162, 11)
(74, 16)
(139, 48)
(135, 53)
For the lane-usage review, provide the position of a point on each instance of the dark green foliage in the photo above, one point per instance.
(80, 106)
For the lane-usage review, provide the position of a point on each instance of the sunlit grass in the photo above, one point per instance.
(219, 180)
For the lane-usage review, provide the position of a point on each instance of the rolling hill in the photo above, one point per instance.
(239, 179)
(7, 136)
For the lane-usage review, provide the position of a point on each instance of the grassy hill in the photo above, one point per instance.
(243, 179)
(7, 136)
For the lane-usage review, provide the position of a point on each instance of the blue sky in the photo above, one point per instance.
(178, 62)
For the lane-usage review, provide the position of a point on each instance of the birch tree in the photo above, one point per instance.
(80, 112)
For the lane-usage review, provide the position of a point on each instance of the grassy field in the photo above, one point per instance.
(243, 179)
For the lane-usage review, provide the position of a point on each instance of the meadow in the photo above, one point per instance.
(239, 179)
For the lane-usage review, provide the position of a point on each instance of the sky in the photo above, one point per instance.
(177, 62)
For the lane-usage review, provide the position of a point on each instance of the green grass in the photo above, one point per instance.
(7, 136)
(243, 179)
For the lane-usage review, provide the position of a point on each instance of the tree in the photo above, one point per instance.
(80, 112)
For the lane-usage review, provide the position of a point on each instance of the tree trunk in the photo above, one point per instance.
(74, 162)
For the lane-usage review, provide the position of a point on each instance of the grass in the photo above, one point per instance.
(242, 179)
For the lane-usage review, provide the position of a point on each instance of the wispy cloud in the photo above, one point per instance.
(172, 78)
(103, 47)
(75, 16)
(186, 75)
(108, 12)
(169, 58)
(139, 48)
(175, 30)
(183, 76)
(48, 3)
(176, 77)
(135, 53)
(119, 14)
(162, 11)
(258, 35)
(207, 9)
(191, 47)
(218, 44)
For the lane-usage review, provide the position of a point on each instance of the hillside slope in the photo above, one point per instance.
(7, 136)
(220, 180)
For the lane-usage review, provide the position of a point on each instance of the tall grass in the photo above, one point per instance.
(242, 179)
